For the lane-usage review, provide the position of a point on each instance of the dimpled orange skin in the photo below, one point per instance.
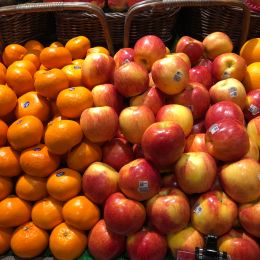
(8, 100)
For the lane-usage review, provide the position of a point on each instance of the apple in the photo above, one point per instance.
(151, 83)
(170, 74)
(139, 180)
(163, 143)
(185, 240)
(253, 130)
(131, 79)
(149, 49)
(194, 96)
(123, 55)
(217, 43)
(169, 210)
(253, 151)
(99, 181)
(117, 153)
(152, 98)
(107, 95)
(133, 122)
(202, 75)
(123, 216)
(178, 114)
(252, 107)
(241, 180)
(223, 110)
(206, 63)
(97, 69)
(138, 151)
(214, 213)
(195, 172)
(239, 245)
(104, 244)
(198, 127)
(190, 46)
(229, 90)
(196, 143)
(99, 124)
(227, 140)
(146, 244)
(182, 55)
(169, 180)
(117, 5)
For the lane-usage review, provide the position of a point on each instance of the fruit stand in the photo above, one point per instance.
(130, 133)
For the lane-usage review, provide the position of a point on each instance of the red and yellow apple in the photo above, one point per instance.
(196, 143)
(201, 74)
(252, 107)
(123, 56)
(253, 130)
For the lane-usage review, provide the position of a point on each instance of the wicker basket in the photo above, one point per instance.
(254, 29)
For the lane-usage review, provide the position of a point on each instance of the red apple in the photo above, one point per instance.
(139, 180)
(252, 107)
(169, 210)
(198, 127)
(131, 79)
(241, 180)
(169, 180)
(123, 55)
(117, 153)
(194, 96)
(217, 43)
(192, 47)
(163, 143)
(227, 140)
(214, 213)
(253, 130)
(104, 244)
(239, 246)
(97, 69)
(223, 110)
(202, 75)
(117, 5)
(182, 55)
(146, 245)
(99, 124)
(123, 216)
(138, 151)
(196, 143)
(99, 182)
(133, 122)
(206, 63)
(149, 49)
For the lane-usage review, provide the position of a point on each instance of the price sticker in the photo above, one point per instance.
(233, 92)
(197, 210)
(143, 186)
(254, 110)
(59, 174)
(213, 129)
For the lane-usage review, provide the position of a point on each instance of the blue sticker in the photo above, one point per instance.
(37, 149)
(60, 174)
(26, 104)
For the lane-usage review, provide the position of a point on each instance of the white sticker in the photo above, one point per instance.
(143, 186)
(59, 174)
(258, 176)
(254, 110)
(213, 129)
(197, 210)
(233, 92)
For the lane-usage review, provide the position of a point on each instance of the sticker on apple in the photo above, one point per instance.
(197, 210)
(254, 110)
(143, 186)
(233, 92)
(213, 129)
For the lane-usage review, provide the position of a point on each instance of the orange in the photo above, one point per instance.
(25, 132)
(56, 44)
(80, 213)
(73, 101)
(31, 188)
(2, 67)
(73, 73)
(2, 73)
(50, 83)
(8, 100)
(78, 62)
(66, 242)
(13, 52)
(78, 47)
(62, 135)
(6, 187)
(250, 51)
(33, 104)
(47, 213)
(9, 162)
(43, 67)
(24, 64)
(98, 49)
(64, 184)
(3, 132)
(34, 57)
(29, 241)
(252, 77)
(33, 45)
(82, 155)
(5, 239)
(19, 79)
(55, 57)
(38, 161)
(39, 72)
(14, 212)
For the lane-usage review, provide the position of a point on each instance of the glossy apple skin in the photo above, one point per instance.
(131, 79)
(229, 90)
(117, 5)
(163, 143)
(123, 216)
(123, 56)
(239, 246)
(223, 110)
(169, 210)
(149, 49)
(190, 46)
(253, 130)
(104, 244)
(99, 181)
(206, 63)
(252, 107)
(195, 172)
(146, 245)
(202, 75)
(117, 153)
(107, 95)
(183, 56)
(194, 96)
(99, 124)
(227, 140)
(133, 122)
(241, 180)
(196, 143)
(185, 240)
(214, 213)
(198, 127)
